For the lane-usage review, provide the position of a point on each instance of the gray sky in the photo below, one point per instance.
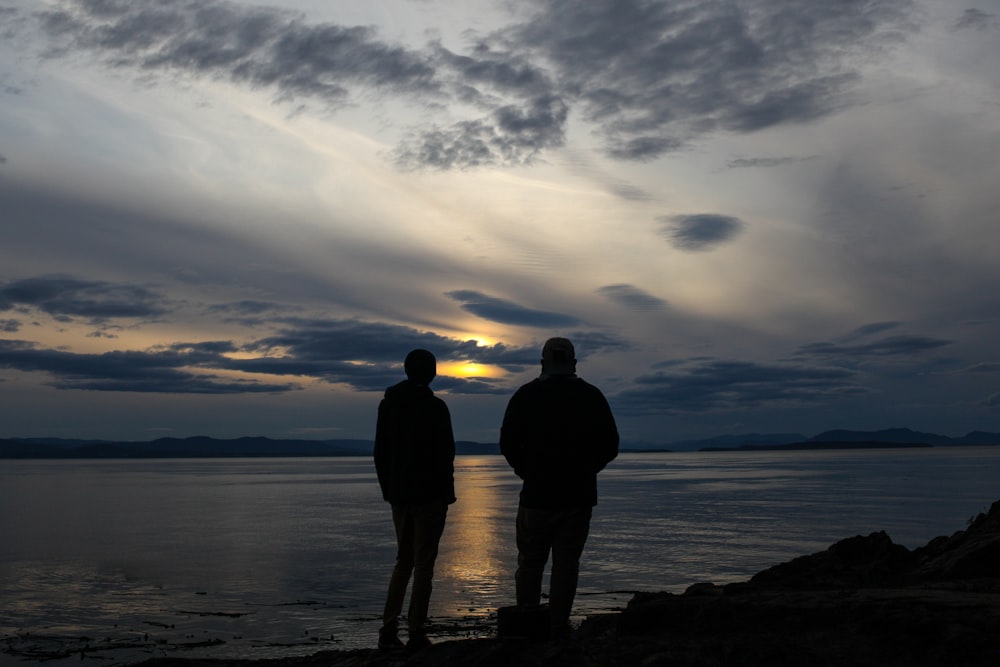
(229, 218)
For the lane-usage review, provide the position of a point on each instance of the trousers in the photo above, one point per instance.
(418, 532)
(563, 533)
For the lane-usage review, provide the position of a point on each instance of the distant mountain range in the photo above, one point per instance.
(198, 447)
(836, 439)
(206, 447)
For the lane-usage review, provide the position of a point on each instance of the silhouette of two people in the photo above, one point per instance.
(558, 433)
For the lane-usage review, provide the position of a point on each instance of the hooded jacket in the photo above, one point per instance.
(414, 446)
(558, 433)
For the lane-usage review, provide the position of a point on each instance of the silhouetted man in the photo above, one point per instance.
(414, 459)
(558, 433)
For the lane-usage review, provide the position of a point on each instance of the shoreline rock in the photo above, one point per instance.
(863, 601)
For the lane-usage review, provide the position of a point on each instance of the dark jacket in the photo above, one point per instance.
(414, 446)
(557, 434)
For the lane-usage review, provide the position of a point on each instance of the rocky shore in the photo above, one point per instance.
(864, 601)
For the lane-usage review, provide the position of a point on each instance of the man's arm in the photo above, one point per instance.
(511, 435)
(605, 431)
(446, 453)
(381, 452)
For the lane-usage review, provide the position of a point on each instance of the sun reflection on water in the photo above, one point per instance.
(475, 565)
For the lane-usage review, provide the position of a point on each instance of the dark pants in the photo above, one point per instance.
(418, 531)
(564, 533)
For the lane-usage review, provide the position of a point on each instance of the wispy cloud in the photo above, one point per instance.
(890, 346)
(160, 371)
(506, 312)
(65, 297)
(977, 19)
(631, 297)
(763, 162)
(872, 328)
(987, 367)
(706, 385)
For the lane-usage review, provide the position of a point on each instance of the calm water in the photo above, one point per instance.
(267, 557)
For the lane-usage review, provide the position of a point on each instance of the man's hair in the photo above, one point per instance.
(420, 366)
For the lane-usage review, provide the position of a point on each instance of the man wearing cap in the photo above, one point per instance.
(558, 433)
(414, 460)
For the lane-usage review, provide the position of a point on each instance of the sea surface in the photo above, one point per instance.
(113, 561)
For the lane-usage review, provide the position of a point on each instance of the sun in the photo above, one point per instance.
(468, 369)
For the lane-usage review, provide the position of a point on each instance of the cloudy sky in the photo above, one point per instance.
(231, 218)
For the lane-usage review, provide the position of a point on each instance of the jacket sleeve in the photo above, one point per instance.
(508, 439)
(446, 455)
(512, 435)
(606, 438)
(383, 446)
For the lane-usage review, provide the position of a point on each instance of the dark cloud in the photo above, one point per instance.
(482, 386)
(588, 343)
(486, 70)
(368, 355)
(160, 371)
(106, 332)
(873, 328)
(628, 192)
(707, 385)
(642, 148)
(513, 135)
(247, 307)
(351, 340)
(250, 312)
(763, 162)
(632, 297)
(259, 47)
(653, 75)
(363, 355)
(503, 311)
(648, 76)
(67, 297)
(891, 346)
(3, 159)
(977, 19)
(987, 367)
(702, 231)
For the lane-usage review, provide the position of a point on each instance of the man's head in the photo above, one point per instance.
(420, 366)
(558, 357)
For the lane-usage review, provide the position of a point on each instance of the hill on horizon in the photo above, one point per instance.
(258, 446)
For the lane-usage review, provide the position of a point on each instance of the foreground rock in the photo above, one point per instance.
(864, 601)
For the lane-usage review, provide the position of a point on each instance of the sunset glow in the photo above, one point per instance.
(469, 370)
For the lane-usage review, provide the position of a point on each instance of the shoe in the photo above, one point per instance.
(560, 632)
(418, 642)
(389, 642)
